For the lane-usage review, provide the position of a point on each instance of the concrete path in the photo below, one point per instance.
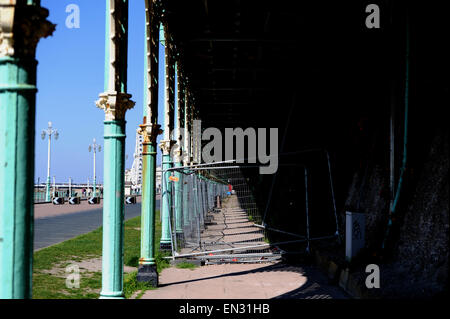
(54, 224)
(231, 228)
(245, 281)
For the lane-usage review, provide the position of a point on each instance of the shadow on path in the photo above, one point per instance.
(316, 286)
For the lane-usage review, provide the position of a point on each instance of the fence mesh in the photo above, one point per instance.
(220, 214)
(215, 216)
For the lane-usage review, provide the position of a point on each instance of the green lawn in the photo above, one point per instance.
(49, 276)
(186, 265)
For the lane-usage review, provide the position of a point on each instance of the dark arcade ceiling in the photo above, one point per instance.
(314, 70)
(313, 66)
(246, 59)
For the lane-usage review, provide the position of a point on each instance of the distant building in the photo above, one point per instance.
(133, 175)
(158, 180)
(128, 175)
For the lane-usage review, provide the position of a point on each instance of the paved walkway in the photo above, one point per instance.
(232, 228)
(245, 281)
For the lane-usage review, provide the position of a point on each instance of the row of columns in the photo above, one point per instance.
(157, 31)
(115, 101)
(22, 24)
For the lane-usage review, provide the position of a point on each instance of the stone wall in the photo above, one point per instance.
(423, 248)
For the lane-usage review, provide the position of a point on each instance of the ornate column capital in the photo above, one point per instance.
(115, 105)
(6, 27)
(150, 132)
(21, 27)
(166, 146)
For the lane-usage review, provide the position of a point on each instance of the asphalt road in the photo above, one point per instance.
(52, 230)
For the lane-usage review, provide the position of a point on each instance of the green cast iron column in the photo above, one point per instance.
(167, 143)
(113, 209)
(150, 130)
(115, 102)
(17, 117)
(178, 154)
(148, 206)
(17, 132)
(178, 201)
(166, 196)
(186, 158)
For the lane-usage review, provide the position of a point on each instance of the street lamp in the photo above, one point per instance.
(49, 131)
(94, 147)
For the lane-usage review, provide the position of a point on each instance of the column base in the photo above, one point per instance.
(111, 296)
(148, 274)
(165, 246)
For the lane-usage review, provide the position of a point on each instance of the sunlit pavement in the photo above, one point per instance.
(245, 281)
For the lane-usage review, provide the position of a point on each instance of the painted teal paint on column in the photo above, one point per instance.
(167, 143)
(178, 201)
(147, 271)
(17, 120)
(113, 209)
(115, 102)
(17, 129)
(148, 207)
(166, 203)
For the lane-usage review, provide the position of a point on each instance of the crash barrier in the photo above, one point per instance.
(130, 200)
(58, 200)
(94, 201)
(215, 215)
(74, 200)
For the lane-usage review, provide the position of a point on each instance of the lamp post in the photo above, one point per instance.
(94, 147)
(49, 132)
(54, 186)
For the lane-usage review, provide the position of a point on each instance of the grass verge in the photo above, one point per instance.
(84, 251)
(186, 265)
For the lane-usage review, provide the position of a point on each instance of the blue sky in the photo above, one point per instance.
(70, 78)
